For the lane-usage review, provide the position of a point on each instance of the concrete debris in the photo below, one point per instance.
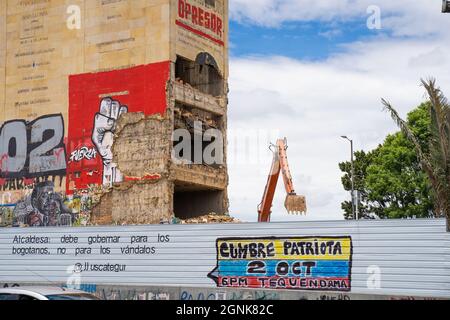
(210, 219)
(185, 118)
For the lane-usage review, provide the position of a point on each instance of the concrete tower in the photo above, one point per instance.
(116, 108)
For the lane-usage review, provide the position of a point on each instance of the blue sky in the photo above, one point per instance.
(312, 40)
(312, 71)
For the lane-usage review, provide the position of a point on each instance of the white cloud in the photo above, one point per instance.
(330, 34)
(403, 17)
(313, 104)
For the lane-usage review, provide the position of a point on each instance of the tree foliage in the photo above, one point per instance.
(434, 157)
(389, 178)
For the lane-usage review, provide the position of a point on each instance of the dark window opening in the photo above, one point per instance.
(192, 201)
(201, 74)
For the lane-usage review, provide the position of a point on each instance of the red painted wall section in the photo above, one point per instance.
(138, 89)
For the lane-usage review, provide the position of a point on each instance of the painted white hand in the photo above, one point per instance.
(104, 127)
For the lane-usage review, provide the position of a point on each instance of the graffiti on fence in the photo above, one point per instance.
(308, 263)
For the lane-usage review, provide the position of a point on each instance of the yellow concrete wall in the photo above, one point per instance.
(125, 33)
(43, 51)
(40, 57)
(2, 55)
(189, 43)
(41, 47)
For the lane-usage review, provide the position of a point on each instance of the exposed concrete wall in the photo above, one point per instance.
(198, 99)
(142, 152)
(143, 202)
(143, 144)
(142, 148)
(201, 176)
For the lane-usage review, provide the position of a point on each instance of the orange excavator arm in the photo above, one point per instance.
(264, 209)
(293, 203)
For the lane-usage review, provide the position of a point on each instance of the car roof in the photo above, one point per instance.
(45, 291)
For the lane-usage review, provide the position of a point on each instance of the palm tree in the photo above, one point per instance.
(436, 161)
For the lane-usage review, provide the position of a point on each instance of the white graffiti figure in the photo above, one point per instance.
(74, 278)
(105, 124)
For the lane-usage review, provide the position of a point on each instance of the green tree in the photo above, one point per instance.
(389, 179)
(397, 187)
(361, 162)
(434, 157)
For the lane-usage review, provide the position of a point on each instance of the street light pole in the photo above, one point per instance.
(354, 213)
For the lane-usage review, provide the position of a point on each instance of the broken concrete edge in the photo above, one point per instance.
(123, 186)
(158, 168)
(140, 203)
(132, 119)
(124, 121)
(186, 94)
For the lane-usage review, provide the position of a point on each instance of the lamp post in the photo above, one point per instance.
(354, 213)
(445, 6)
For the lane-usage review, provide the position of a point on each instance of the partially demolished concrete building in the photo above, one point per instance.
(111, 111)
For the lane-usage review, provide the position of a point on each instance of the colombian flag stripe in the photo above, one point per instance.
(286, 249)
(296, 268)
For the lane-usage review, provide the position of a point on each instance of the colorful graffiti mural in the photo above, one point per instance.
(96, 101)
(48, 178)
(312, 263)
(44, 207)
(32, 149)
(33, 159)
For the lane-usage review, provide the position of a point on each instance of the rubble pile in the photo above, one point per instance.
(209, 219)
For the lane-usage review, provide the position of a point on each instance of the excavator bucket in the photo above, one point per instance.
(295, 204)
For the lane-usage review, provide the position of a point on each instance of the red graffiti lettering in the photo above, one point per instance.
(192, 15)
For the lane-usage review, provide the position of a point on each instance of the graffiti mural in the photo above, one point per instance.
(81, 204)
(310, 263)
(103, 137)
(96, 101)
(83, 153)
(32, 149)
(48, 178)
(44, 207)
(32, 163)
(6, 215)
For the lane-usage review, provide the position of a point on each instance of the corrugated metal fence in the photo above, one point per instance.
(395, 257)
